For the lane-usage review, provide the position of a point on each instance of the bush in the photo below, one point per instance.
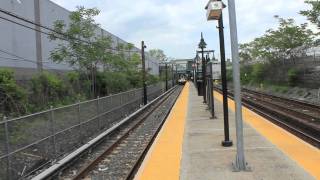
(229, 75)
(245, 74)
(257, 74)
(48, 90)
(12, 97)
(152, 79)
(112, 82)
(293, 76)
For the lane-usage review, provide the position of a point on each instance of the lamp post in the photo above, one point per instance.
(202, 46)
(217, 15)
(197, 69)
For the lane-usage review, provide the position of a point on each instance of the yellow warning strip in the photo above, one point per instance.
(307, 156)
(163, 163)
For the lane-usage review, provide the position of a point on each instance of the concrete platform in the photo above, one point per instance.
(189, 147)
(203, 157)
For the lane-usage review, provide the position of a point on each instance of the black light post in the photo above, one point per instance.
(145, 97)
(202, 46)
(227, 142)
(197, 69)
(211, 89)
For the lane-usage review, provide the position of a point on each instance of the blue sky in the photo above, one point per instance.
(175, 25)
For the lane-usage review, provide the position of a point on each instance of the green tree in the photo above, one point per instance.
(313, 14)
(83, 48)
(157, 54)
(278, 43)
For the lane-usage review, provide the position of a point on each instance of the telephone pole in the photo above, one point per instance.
(145, 97)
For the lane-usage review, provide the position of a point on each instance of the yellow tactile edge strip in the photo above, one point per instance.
(163, 161)
(307, 156)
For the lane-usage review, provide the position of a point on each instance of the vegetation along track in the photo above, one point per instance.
(299, 118)
(119, 154)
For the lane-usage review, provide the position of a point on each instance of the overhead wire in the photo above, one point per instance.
(21, 59)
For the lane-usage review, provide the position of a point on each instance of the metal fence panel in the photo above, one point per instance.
(88, 110)
(3, 169)
(64, 118)
(2, 140)
(42, 137)
(28, 130)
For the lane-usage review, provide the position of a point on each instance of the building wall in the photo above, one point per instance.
(23, 42)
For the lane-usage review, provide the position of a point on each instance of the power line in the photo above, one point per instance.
(21, 59)
(48, 28)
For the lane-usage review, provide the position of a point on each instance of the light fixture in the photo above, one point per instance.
(214, 9)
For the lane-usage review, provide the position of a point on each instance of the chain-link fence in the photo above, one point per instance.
(29, 142)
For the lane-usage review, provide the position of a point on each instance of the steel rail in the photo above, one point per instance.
(61, 164)
(87, 169)
(273, 117)
(296, 101)
(141, 156)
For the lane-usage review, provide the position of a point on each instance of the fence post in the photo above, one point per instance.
(319, 95)
(53, 133)
(79, 121)
(98, 112)
(7, 148)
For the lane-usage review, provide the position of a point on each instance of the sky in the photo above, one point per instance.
(175, 25)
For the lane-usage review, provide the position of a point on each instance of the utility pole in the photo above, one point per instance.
(173, 75)
(240, 163)
(145, 97)
(227, 142)
(166, 66)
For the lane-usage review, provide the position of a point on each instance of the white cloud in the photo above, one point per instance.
(175, 25)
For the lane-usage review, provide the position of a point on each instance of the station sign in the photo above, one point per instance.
(216, 70)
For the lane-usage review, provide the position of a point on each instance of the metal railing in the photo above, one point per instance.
(28, 142)
(209, 90)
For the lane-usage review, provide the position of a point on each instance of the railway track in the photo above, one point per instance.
(299, 118)
(120, 150)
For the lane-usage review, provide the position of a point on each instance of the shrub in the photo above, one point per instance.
(293, 76)
(48, 90)
(257, 74)
(112, 82)
(229, 75)
(12, 97)
(245, 74)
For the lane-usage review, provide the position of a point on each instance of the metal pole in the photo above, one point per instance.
(176, 76)
(53, 133)
(240, 163)
(226, 142)
(79, 121)
(98, 113)
(172, 75)
(207, 82)
(166, 66)
(145, 98)
(7, 148)
(203, 76)
(211, 92)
